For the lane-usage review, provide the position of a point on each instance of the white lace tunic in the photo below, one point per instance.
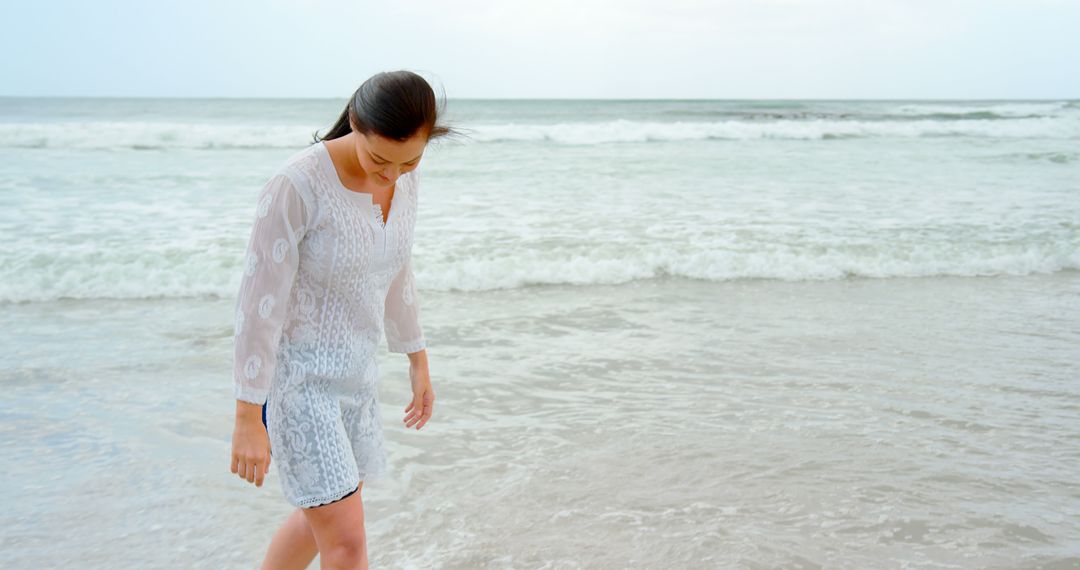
(324, 280)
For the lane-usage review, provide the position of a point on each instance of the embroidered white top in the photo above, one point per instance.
(324, 280)
(323, 274)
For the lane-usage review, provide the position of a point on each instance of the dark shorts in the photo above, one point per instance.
(272, 454)
(266, 426)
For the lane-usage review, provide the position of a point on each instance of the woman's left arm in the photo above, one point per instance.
(405, 335)
(402, 317)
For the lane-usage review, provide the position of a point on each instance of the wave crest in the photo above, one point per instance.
(180, 272)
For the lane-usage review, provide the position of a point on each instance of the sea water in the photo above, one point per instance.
(662, 334)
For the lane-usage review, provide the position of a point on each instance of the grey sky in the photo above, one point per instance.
(549, 48)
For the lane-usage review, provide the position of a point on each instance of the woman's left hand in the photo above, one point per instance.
(419, 410)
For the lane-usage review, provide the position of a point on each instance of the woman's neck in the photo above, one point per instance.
(352, 174)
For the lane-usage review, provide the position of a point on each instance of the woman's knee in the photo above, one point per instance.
(347, 554)
(342, 545)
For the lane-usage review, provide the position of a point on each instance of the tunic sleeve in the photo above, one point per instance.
(270, 265)
(402, 322)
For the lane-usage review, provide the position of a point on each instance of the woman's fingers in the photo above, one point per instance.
(253, 471)
(422, 406)
(417, 407)
(425, 416)
(251, 453)
(264, 468)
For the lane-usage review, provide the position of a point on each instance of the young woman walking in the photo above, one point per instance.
(327, 274)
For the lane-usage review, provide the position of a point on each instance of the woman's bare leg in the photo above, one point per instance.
(339, 533)
(293, 546)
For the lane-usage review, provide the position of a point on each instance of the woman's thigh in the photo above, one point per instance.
(338, 523)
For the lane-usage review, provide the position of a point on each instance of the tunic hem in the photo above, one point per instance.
(309, 501)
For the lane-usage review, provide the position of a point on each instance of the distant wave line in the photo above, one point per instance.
(163, 136)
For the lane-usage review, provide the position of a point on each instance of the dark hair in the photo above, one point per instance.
(392, 104)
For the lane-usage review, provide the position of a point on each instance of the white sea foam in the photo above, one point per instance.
(159, 136)
(622, 130)
(145, 224)
(151, 135)
(1011, 109)
(188, 271)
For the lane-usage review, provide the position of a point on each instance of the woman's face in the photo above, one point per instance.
(385, 159)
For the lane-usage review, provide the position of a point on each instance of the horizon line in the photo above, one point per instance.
(293, 98)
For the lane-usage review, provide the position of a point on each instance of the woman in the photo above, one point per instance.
(327, 273)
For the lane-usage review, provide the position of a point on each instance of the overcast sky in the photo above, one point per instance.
(546, 48)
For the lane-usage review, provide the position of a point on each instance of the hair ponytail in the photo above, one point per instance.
(340, 128)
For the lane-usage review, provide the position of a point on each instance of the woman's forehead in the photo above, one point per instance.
(396, 151)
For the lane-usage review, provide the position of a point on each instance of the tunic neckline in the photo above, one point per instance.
(362, 197)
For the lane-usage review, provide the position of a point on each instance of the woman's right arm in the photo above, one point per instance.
(271, 261)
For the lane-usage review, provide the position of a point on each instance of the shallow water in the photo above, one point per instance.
(925, 422)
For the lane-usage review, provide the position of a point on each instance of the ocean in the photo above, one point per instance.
(662, 334)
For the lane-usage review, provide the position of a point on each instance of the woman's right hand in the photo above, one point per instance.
(250, 444)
